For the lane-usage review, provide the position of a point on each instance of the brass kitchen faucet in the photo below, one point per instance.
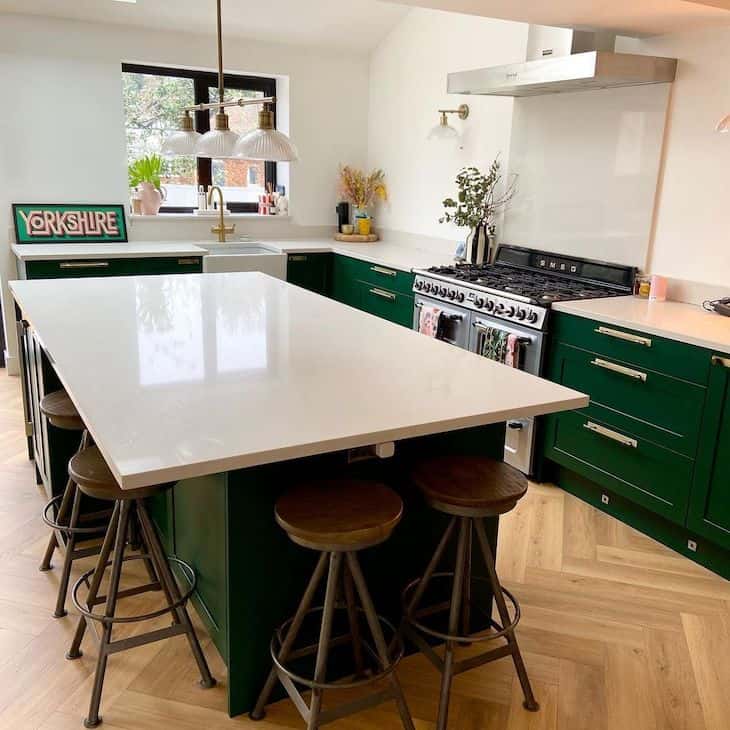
(221, 228)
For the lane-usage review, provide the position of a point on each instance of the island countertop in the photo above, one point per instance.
(182, 376)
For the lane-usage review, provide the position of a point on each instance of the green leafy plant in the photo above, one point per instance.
(479, 198)
(146, 169)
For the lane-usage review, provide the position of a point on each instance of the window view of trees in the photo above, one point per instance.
(153, 105)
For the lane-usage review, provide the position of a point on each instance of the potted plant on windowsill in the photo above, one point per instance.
(479, 199)
(144, 174)
(361, 191)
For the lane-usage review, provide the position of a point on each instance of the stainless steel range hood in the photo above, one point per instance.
(588, 61)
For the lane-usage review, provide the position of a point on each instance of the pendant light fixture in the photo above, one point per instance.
(264, 143)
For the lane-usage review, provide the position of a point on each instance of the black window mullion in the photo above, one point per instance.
(202, 125)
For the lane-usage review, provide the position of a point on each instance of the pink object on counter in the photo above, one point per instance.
(428, 320)
(658, 290)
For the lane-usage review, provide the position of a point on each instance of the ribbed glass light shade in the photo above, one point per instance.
(266, 144)
(217, 143)
(443, 131)
(180, 143)
(723, 126)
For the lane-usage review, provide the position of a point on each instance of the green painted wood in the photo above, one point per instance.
(650, 475)
(709, 509)
(344, 287)
(312, 271)
(663, 409)
(162, 511)
(676, 537)
(664, 356)
(390, 305)
(78, 268)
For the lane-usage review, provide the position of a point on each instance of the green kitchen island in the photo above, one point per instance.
(233, 387)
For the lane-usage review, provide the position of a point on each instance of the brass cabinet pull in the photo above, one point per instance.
(618, 334)
(84, 265)
(724, 361)
(612, 435)
(298, 257)
(381, 270)
(613, 367)
(187, 262)
(383, 294)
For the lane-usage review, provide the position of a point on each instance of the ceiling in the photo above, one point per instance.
(355, 24)
(627, 17)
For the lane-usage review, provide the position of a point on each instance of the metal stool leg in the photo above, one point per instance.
(353, 620)
(162, 567)
(530, 703)
(258, 711)
(109, 538)
(466, 598)
(68, 556)
(377, 633)
(454, 615)
(93, 719)
(325, 634)
(50, 549)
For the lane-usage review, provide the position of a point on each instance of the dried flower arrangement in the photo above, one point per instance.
(362, 190)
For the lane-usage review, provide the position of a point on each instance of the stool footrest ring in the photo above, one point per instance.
(385, 670)
(84, 579)
(93, 530)
(412, 617)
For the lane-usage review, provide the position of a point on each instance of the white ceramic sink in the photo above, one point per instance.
(244, 256)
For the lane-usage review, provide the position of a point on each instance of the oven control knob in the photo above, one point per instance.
(426, 287)
(521, 314)
(452, 294)
(510, 311)
(489, 305)
(460, 296)
(499, 308)
(532, 317)
(442, 291)
(479, 302)
(419, 285)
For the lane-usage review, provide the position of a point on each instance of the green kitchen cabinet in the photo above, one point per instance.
(140, 266)
(311, 271)
(709, 509)
(390, 305)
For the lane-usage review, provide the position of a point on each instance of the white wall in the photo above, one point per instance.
(408, 84)
(62, 134)
(692, 230)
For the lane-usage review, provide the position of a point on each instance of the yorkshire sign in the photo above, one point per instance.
(69, 223)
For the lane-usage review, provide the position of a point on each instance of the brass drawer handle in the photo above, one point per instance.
(297, 258)
(84, 265)
(381, 270)
(724, 361)
(612, 435)
(619, 335)
(383, 294)
(187, 262)
(629, 372)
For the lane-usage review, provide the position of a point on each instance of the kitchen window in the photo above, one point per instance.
(153, 102)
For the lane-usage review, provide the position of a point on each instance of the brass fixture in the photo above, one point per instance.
(443, 130)
(462, 111)
(221, 229)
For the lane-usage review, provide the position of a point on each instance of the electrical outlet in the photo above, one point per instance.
(692, 545)
(605, 499)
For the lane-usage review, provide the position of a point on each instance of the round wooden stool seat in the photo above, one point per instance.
(469, 485)
(61, 412)
(339, 514)
(89, 470)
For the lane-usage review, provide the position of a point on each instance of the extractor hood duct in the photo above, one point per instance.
(563, 60)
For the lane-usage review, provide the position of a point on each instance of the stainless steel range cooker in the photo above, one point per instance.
(513, 296)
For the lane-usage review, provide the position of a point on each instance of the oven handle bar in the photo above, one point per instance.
(484, 328)
(452, 317)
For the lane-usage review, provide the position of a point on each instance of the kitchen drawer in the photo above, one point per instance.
(663, 409)
(310, 271)
(77, 268)
(622, 462)
(380, 276)
(634, 348)
(390, 305)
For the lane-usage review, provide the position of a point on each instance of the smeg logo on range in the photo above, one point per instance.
(481, 301)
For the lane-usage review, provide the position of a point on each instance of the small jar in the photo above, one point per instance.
(642, 286)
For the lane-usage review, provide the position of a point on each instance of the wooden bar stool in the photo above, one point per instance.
(337, 518)
(92, 475)
(469, 488)
(67, 530)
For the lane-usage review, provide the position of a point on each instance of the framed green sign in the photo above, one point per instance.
(69, 223)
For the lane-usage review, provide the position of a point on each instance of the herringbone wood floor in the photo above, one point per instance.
(618, 633)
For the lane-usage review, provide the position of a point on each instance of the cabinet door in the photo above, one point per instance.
(344, 281)
(709, 510)
(310, 271)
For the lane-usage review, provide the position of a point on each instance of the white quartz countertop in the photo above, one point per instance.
(676, 321)
(181, 376)
(139, 249)
(387, 252)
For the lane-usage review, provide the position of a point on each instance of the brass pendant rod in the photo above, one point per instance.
(220, 57)
(238, 102)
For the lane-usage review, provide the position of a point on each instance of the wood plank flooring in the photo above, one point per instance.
(618, 632)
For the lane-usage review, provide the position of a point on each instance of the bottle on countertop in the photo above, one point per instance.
(202, 198)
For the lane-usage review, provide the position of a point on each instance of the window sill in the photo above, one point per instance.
(193, 217)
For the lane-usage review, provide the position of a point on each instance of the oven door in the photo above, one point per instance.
(519, 440)
(454, 323)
